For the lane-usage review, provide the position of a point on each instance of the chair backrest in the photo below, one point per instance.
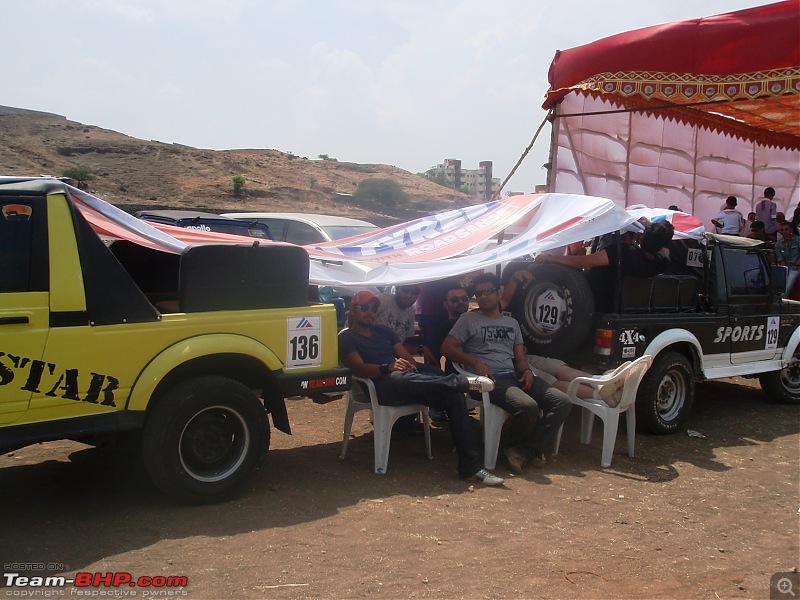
(633, 373)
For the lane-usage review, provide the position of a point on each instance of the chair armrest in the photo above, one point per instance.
(460, 368)
(368, 385)
(572, 388)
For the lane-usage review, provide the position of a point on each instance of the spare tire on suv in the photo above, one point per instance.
(555, 311)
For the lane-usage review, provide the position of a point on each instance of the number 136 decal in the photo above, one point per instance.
(303, 342)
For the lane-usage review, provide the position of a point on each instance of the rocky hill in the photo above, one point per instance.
(136, 174)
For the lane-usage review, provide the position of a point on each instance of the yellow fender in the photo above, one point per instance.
(192, 348)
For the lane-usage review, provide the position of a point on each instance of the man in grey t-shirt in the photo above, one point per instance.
(490, 344)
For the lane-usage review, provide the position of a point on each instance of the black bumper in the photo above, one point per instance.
(318, 382)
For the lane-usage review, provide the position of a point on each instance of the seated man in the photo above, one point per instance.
(398, 313)
(729, 220)
(787, 254)
(375, 352)
(490, 344)
(456, 302)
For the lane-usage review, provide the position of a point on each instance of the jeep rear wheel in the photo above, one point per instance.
(555, 310)
(666, 394)
(783, 385)
(204, 438)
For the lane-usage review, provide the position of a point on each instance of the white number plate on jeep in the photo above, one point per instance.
(304, 341)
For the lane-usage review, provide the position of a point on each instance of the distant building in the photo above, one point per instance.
(478, 182)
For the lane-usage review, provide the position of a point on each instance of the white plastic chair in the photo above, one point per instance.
(492, 419)
(383, 417)
(627, 377)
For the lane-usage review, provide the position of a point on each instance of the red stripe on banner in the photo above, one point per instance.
(558, 228)
(685, 223)
(394, 247)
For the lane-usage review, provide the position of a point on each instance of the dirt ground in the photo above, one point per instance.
(688, 517)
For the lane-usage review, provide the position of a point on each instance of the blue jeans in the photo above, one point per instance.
(551, 401)
(791, 277)
(441, 392)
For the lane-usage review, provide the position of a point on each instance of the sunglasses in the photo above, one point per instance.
(366, 307)
(487, 292)
(455, 299)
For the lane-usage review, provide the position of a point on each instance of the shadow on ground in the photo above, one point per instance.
(62, 499)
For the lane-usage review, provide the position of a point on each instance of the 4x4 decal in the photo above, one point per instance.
(628, 337)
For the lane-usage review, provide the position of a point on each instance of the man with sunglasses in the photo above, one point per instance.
(490, 343)
(375, 352)
(456, 302)
(787, 253)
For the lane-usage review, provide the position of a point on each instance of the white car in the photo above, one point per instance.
(303, 229)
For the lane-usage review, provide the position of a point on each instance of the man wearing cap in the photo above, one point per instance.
(375, 352)
(730, 221)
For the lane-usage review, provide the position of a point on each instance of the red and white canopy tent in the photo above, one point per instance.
(684, 113)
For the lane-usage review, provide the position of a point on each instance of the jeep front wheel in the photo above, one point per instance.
(783, 385)
(203, 439)
(666, 394)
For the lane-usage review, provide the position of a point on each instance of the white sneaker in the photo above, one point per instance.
(478, 383)
(486, 478)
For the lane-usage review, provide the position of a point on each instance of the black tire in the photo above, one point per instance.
(666, 394)
(783, 385)
(555, 311)
(203, 439)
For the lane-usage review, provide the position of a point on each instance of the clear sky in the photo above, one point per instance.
(400, 82)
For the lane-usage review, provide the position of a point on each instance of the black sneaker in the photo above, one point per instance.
(438, 416)
(537, 461)
(408, 426)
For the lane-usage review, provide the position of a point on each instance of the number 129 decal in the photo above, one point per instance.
(773, 329)
(549, 312)
(304, 339)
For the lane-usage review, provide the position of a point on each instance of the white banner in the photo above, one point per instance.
(450, 243)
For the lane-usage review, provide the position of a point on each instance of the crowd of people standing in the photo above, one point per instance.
(765, 223)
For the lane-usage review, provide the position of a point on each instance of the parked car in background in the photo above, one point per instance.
(302, 229)
(203, 221)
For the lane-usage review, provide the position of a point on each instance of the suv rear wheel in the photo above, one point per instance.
(203, 439)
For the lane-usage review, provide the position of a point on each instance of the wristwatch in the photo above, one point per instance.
(384, 369)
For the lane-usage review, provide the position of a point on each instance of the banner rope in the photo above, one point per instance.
(548, 117)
